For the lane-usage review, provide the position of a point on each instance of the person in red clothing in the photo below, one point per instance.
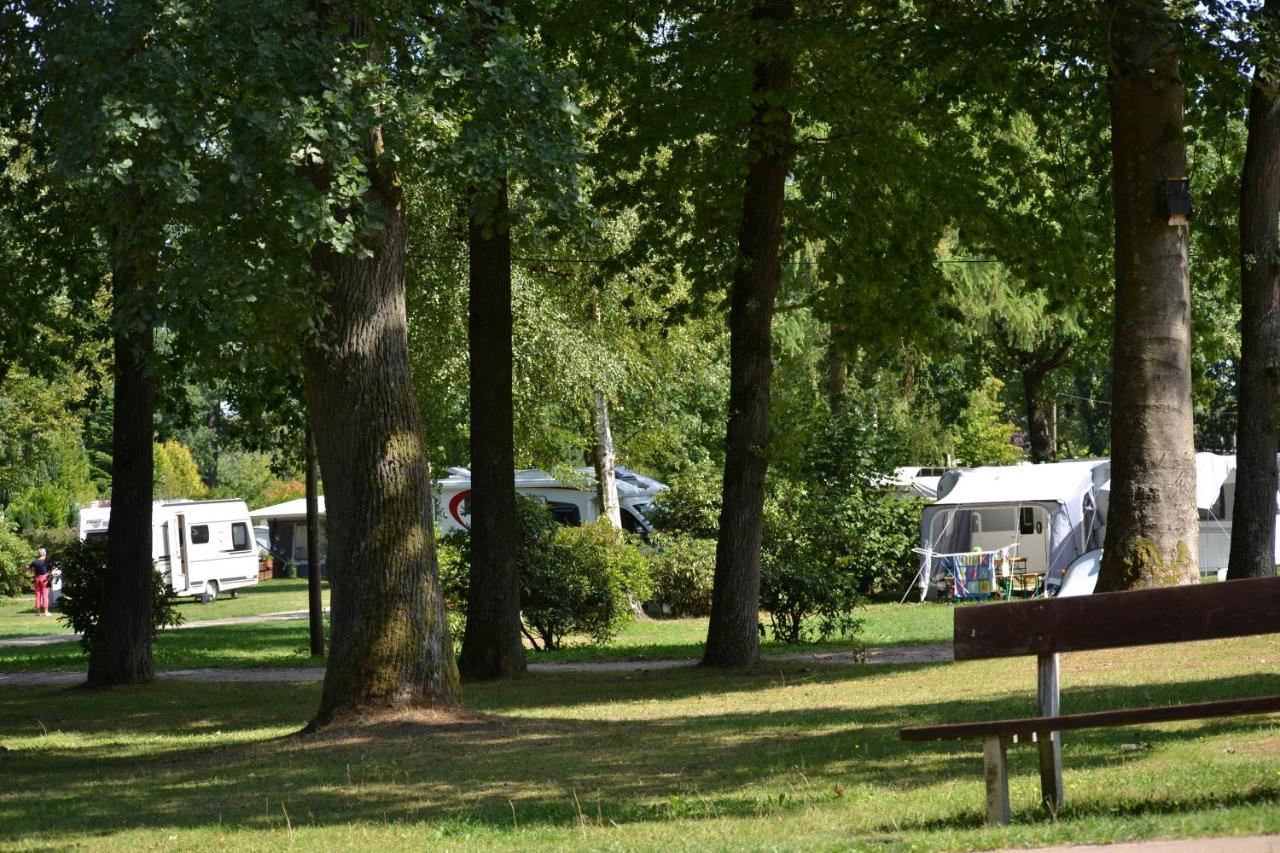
(40, 569)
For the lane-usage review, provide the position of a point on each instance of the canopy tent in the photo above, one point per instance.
(1066, 493)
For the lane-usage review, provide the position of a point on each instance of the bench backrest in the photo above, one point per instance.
(1116, 619)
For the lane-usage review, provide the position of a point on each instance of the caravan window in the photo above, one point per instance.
(630, 523)
(567, 514)
(1027, 520)
(199, 534)
(239, 536)
(994, 520)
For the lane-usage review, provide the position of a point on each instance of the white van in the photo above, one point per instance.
(203, 548)
(572, 503)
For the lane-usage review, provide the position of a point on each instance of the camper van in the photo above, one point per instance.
(202, 548)
(571, 502)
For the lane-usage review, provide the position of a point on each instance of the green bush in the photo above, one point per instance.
(806, 567)
(683, 569)
(832, 533)
(453, 553)
(84, 592)
(55, 540)
(691, 505)
(573, 580)
(45, 505)
(580, 580)
(15, 556)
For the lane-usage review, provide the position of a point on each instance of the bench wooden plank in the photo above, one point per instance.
(1026, 726)
(1178, 614)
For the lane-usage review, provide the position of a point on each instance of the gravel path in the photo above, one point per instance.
(939, 653)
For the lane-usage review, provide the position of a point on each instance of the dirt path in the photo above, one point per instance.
(50, 639)
(939, 653)
(1240, 844)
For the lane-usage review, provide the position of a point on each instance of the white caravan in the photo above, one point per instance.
(572, 503)
(202, 548)
(1046, 514)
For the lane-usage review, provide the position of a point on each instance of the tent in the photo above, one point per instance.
(1047, 514)
(1215, 505)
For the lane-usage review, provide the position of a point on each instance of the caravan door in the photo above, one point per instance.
(994, 527)
(181, 566)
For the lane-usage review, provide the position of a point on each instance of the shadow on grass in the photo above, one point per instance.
(283, 643)
(151, 757)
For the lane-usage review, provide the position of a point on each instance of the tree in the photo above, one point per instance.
(982, 438)
(1253, 529)
(390, 643)
(491, 644)
(732, 637)
(1152, 529)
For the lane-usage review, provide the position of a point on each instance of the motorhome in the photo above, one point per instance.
(202, 548)
(573, 501)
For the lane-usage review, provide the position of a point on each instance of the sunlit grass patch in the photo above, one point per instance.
(787, 755)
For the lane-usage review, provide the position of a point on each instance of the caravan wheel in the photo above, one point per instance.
(210, 592)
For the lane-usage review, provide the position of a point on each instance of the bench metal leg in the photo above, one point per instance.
(996, 771)
(1050, 743)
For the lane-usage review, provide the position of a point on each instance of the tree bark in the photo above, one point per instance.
(491, 644)
(837, 372)
(605, 461)
(1152, 527)
(1033, 376)
(315, 604)
(121, 651)
(732, 636)
(604, 458)
(1253, 531)
(389, 640)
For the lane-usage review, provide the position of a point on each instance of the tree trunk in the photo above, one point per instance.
(837, 372)
(121, 651)
(491, 644)
(732, 638)
(389, 640)
(1253, 531)
(315, 604)
(1033, 376)
(605, 461)
(1152, 528)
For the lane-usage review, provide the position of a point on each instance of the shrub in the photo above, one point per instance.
(580, 580)
(805, 566)
(691, 505)
(832, 533)
(84, 592)
(683, 569)
(15, 556)
(573, 580)
(55, 540)
(453, 553)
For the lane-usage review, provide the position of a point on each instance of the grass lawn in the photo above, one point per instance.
(783, 757)
(18, 618)
(285, 643)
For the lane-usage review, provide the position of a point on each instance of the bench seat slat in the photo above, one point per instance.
(1027, 726)
(1112, 620)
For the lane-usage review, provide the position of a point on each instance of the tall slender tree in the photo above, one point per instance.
(1253, 531)
(732, 636)
(492, 646)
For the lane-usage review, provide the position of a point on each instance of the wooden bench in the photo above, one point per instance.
(1047, 627)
